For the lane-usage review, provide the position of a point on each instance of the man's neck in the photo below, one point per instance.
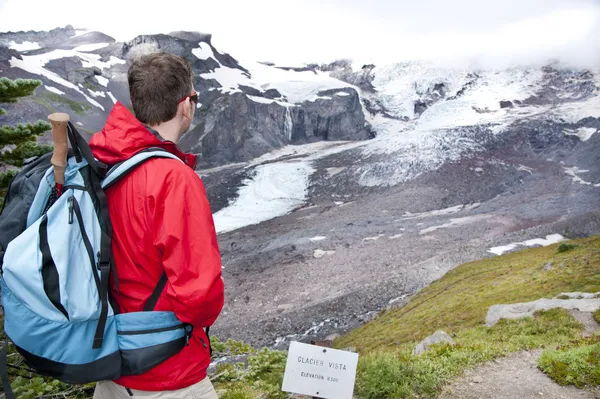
(168, 131)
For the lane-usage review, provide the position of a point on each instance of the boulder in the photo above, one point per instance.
(527, 309)
(438, 337)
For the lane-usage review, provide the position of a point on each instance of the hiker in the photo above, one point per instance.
(162, 223)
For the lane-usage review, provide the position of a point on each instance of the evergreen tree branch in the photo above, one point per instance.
(21, 133)
(11, 90)
(23, 151)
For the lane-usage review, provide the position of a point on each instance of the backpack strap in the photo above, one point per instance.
(106, 264)
(209, 344)
(104, 261)
(151, 303)
(120, 170)
(82, 149)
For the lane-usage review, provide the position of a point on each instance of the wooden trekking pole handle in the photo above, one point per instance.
(59, 123)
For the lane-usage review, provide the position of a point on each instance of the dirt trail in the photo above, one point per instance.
(513, 377)
(517, 376)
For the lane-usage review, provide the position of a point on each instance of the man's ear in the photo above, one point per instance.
(186, 109)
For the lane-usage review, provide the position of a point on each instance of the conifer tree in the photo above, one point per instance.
(17, 143)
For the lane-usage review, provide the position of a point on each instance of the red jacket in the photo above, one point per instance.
(162, 221)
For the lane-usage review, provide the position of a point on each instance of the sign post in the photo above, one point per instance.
(320, 372)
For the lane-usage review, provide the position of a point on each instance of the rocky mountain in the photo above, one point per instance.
(241, 115)
(466, 164)
(342, 189)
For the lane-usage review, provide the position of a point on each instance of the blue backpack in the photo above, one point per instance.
(55, 260)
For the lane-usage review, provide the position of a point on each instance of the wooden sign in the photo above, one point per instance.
(320, 372)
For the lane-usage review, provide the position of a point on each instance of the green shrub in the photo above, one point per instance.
(263, 376)
(238, 393)
(400, 374)
(564, 247)
(579, 366)
(230, 347)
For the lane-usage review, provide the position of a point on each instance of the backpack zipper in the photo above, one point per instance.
(203, 343)
(86, 240)
(156, 330)
(70, 203)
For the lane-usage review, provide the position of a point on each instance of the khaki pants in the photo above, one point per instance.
(109, 390)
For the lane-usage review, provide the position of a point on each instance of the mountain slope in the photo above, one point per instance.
(320, 229)
(241, 115)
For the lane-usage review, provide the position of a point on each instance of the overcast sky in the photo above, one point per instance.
(495, 32)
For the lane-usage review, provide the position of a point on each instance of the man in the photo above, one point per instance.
(162, 221)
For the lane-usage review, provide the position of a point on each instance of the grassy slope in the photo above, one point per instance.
(457, 303)
(460, 300)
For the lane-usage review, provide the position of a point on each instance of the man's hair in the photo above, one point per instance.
(156, 83)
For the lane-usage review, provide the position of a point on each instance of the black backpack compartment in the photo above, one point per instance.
(18, 200)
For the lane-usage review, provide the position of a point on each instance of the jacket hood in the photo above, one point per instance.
(123, 135)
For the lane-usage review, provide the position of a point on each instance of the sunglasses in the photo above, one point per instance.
(192, 97)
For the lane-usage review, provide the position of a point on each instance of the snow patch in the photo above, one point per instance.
(525, 169)
(54, 90)
(334, 171)
(578, 110)
(230, 79)
(274, 190)
(102, 80)
(584, 133)
(549, 240)
(371, 238)
(442, 212)
(95, 62)
(97, 93)
(35, 64)
(574, 171)
(24, 46)
(114, 100)
(90, 47)
(342, 93)
(319, 253)
(79, 123)
(315, 149)
(296, 87)
(454, 223)
(263, 100)
(204, 52)
(318, 238)
(396, 236)
(442, 132)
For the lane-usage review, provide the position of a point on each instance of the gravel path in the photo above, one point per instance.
(515, 376)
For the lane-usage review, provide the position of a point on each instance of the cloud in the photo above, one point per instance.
(481, 32)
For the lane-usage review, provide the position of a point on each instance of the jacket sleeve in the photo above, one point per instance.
(185, 236)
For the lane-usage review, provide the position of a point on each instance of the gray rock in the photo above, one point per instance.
(437, 337)
(235, 128)
(332, 337)
(577, 295)
(420, 107)
(343, 71)
(212, 368)
(521, 310)
(548, 266)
